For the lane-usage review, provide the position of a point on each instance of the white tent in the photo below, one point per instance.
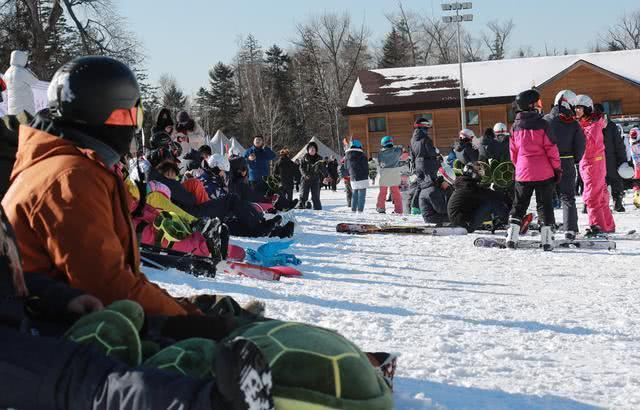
(236, 148)
(323, 150)
(220, 143)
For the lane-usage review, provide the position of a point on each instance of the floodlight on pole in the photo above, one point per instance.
(458, 18)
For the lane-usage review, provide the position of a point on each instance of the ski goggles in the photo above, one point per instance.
(132, 117)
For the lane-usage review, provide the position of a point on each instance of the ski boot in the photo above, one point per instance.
(546, 238)
(243, 376)
(216, 235)
(570, 235)
(594, 231)
(381, 210)
(284, 231)
(618, 205)
(513, 235)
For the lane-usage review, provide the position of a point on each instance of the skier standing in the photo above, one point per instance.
(616, 155)
(390, 175)
(593, 167)
(258, 158)
(537, 160)
(356, 162)
(287, 171)
(424, 155)
(313, 170)
(570, 141)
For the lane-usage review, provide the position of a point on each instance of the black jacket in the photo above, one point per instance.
(287, 170)
(313, 168)
(423, 154)
(614, 148)
(567, 133)
(465, 151)
(491, 148)
(332, 167)
(467, 197)
(357, 164)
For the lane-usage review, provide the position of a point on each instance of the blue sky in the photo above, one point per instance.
(185, 38)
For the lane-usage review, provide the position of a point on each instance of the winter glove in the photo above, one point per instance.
(557, 175)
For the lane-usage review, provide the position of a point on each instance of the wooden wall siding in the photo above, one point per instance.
(596, 84)
(400, 126)
(491, 115)
(446, 124)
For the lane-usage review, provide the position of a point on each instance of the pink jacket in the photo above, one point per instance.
(592, 128)
(533, 149)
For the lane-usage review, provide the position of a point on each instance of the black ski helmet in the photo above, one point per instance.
(99, 95)
(526, 100)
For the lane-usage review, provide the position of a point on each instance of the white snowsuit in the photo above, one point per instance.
(19, 80)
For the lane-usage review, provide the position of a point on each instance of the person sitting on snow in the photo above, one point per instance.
(472, 206)
(434, 195)
(463, 151)
(214, 176)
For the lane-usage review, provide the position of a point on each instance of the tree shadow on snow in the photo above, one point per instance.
(413, 394)
(528, 326)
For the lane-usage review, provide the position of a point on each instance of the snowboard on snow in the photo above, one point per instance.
(161, 258)
(400, 229)
(501, 243)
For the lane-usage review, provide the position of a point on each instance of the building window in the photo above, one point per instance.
(428, 117)
(473, 118)
(612, 107)
(511, 114)
(378, 124)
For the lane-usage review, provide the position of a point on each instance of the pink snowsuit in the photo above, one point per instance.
(593, 170)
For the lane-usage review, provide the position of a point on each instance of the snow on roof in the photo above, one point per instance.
(484, 79)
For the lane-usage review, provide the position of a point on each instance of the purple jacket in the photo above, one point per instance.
(533, 149)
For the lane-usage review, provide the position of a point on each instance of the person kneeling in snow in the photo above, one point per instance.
(434, 195)
(473, 206)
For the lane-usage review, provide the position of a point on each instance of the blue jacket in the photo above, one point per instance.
(214, 184)
(259, 168)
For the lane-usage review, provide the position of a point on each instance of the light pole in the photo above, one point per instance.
(458, 18)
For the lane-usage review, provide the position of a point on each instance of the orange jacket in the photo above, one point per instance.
(70, 214)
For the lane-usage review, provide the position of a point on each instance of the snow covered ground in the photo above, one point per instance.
(477, 328)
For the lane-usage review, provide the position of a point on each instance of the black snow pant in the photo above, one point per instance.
(579, 183)
(489, 210)
(617, 186)
(241, 217)
(311, 186)
(544, 199)
(286, 191)
(567, 193)
(259, 187)
(41, 373)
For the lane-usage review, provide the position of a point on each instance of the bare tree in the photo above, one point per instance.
(408, 25)
(442, 39)
(334, 52)
(100, 30)
(471, 48)
(625, 34)
(497, 38)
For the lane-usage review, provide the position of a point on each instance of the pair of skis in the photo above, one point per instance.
(501, 243)
(161, 258)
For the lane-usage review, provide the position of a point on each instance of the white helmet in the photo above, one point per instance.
(500, 129)
(217, 160)
(584, 100)
(566, 99)
(625, 171)
(466, 133)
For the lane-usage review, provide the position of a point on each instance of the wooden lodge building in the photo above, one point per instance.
(387, 101)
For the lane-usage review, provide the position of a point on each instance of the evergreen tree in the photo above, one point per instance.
(396, 51)
(173, 98)
(222, 98)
